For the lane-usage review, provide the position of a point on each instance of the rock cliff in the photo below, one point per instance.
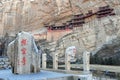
(91, 37)
(30, 15)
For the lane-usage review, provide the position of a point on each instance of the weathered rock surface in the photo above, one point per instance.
(91, 37)
(23, 54)
(29, 15)
(110, 49)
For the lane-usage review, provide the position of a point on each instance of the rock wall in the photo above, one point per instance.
(30, 15)
(17, 15)
(91, 37)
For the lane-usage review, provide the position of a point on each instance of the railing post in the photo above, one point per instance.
(86, 62)
(67, 62)
(55, 61)
(44, 61)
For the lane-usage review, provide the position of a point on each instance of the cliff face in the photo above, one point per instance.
(110, 49)
(91, 37)
(29, 15)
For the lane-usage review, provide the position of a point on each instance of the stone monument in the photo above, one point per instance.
(23, 54)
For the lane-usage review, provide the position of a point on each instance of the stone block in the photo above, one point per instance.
(23, 54)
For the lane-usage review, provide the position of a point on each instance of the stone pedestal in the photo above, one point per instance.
(86, 60)
(23, 54)
(44, 59)
(55, 61)
(67, 62)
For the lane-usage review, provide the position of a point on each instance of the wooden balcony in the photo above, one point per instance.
(100, 16)
(58, 28)
(105, 12)
(77, 20)
(104, 7)
(79, 16)
(112, 14)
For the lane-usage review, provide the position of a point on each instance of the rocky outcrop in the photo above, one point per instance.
(108, 54)
(110, 49)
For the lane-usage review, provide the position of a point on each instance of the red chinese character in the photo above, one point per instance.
(23, 61)
(24, 42)
(23, 50)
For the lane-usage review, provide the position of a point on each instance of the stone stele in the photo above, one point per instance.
(23, 54)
